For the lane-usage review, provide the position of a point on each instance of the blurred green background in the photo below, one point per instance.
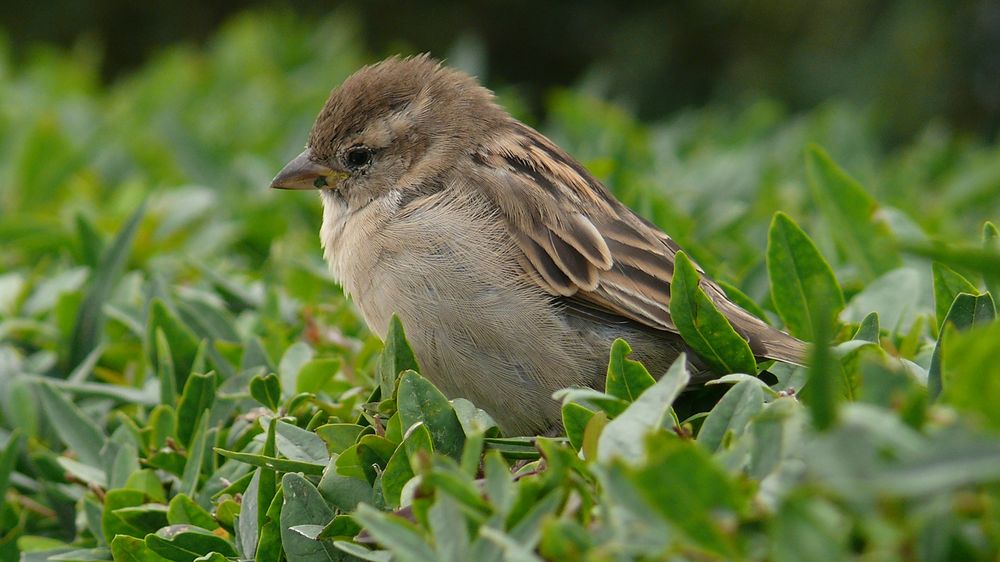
(909, 62)
(696, 114)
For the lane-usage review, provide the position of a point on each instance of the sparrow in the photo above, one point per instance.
(511, 267)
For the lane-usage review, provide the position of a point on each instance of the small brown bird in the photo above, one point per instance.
(511, 267)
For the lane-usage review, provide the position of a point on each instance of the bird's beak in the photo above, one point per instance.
(304, 173)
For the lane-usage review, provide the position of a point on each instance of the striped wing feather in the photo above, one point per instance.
(580, 243)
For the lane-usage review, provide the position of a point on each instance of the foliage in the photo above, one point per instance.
(180, 379)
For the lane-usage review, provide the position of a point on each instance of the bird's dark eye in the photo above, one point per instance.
(358, 157)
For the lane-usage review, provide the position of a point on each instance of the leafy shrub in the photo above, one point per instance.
(181, 380)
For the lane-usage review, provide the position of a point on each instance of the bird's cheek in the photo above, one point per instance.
(333, 196)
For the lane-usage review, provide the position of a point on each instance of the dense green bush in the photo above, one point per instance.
(180, 379)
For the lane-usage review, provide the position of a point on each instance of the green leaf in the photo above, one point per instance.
(362, 553)
(238, 486)
(342, 526)
(732, 414)
(75, 429)
(393, 427)
(300, 445)
(592, 435)
(396, 474)
(8, 458)
(207, 321)
(770, 430)
(81, 555)
(165, 368)
(575, 418)
(591, 398)
(967, 311)
(40, 549)
(314, 375)
(91, 242)
(897, 297)
(960, 256)
(84, 472)
(89, 326)
(118, 393)
(940, 466)
(147, 482)
(148, 517)
(22, 406)
(227, 513)
(254, 356)
(799, 275)
(184, 543)
(340, 436)
(822, 393)
(271, 547)
(499, 485)
(397, 356)
(123, 460)
(296, 356)
(622, 437)
(971, 372)
(472, 454)
(113, 525)
(181, 342)
(303, 505)
(80, 372)
(197, 398)
(132, 549)
(248, 522)
(420, 401)
(991, 243)
(475, 421)
(948, 283)
(448, 529)
(401, 466)
(851, 214)
(212, 557)
(565, 540)
(461, 488)
(344, 492)
(888, 384)
(696, 507)
(527, 530)
(702, 326)
(196, 456)
(183, 510)
(513, 447)
(373, 451)
(869, 329)
(349, 464)
(626, 379)
(513, 550)
(162, 422)
(273, 463)
(807, 529)
(266, 390)
(399, 536)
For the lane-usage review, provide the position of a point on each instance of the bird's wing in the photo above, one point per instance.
(581, 243)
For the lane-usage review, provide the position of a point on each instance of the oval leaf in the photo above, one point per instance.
(702, 326)
(798, 275)
(421, 401)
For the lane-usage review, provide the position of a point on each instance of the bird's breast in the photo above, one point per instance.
(479, 327)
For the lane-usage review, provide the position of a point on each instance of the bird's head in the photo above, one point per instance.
(389, 127)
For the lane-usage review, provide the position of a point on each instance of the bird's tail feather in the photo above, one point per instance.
(765, 340)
